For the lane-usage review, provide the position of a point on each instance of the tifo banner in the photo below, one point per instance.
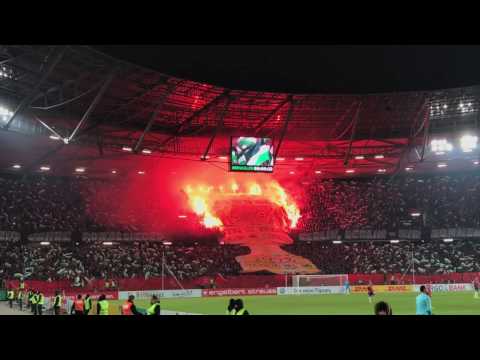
(310, 290)
(446, 287)
(147, 294)
(238, 292)
(383, 288)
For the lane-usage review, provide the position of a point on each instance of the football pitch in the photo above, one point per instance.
(454, 303)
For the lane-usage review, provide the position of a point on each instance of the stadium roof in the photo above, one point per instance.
(100, 104)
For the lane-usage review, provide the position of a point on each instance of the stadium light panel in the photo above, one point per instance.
(359, 157)
(44, 168)
(408, 168)
(337, 242)
(318, 172)
(415, 214)
(127, 148)
(468, 143)
(299, 159)
(114, 171)
(146, 151)
(17, 166)
(107, 243)
(382, 171)
(167, 243)
(440, 146)
(394, 241)
(182, 216)
(141, 173)
(442, 165)
(44, 243)
(54, 137)
(476, 162)
(292, 172)
(80, 170)
(379, 156)
(448, 240)
(350, 171)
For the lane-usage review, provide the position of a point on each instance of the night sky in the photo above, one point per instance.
(312, 68)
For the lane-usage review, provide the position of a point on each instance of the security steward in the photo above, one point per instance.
(87, 304)
(10, 297)
(40, 303)
(34, 302)
(102, 305)
(57, 303)
(77, 306)
(239, 308)
(20, 299)
(29, 299)
(154, 309)
(231, 307)
(129, 308)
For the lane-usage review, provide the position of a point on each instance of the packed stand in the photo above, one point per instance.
(386, 203)
(89, 261)
(430, 257)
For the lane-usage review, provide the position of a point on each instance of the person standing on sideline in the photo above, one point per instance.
(346, 286)
(20, 299)
(476, 285)
(87, 304)
(231, 307)
(57, 303)
(102, 305)
(423, 302)
(29, 300)
(239, 308)
(40, 303)
(129, 308)
(77, 306)
(35, 302)
(154, 308)
(10, 297)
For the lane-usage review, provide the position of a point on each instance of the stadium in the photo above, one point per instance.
(118, 180)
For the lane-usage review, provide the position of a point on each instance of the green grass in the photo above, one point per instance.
(459, 303)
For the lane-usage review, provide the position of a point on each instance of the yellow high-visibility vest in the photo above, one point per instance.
(151, 309)
(103, 307)
(240, 312)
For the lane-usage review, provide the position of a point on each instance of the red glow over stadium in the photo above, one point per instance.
(202, 197)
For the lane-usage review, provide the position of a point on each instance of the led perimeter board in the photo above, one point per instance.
(251, 154)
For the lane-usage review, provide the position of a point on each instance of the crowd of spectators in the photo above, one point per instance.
(87, 261)
(429, 257)
(41, 203)
(387, 203)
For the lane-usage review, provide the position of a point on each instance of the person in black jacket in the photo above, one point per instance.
(231, 307)
(382, 308)
(239, 308)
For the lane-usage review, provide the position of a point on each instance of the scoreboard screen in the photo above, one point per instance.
(251, 154)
